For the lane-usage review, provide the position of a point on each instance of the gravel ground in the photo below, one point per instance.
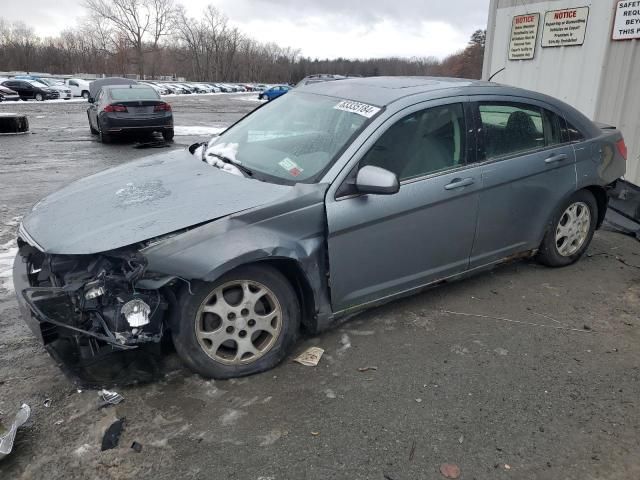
(543, 383)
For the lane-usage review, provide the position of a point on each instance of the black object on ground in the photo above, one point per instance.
(112, 435)
(137, 447)
(152, 144)
(13, 124)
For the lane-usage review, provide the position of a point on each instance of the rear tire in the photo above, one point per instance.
(85, 94)
(247, 329)
(103, 137)
(570, 231)
(167, 135)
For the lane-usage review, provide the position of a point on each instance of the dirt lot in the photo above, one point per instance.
(544, 383)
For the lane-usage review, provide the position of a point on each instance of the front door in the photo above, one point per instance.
(382, 245)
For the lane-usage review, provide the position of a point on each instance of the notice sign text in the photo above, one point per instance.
(566, 27)
(524, 33)
(626, 25)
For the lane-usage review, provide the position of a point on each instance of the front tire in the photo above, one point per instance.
(39, 97)
(243, 323)
(571, 230)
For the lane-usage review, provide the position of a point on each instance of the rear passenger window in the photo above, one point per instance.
(511, 128)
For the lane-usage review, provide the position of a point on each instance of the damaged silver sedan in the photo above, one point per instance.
(334, 198)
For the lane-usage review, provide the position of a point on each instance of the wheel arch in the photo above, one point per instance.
(599, 194)
(295, 275)
(602, 200)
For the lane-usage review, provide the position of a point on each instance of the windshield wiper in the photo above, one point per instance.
(238, 165)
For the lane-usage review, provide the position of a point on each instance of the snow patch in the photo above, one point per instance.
(345, 343)
(8, 252)
(231, 416)
(197, 130)
(227, 150)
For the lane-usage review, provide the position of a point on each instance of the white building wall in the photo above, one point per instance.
(601, 78)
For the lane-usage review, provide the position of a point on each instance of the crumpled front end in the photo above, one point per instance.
(90, 314)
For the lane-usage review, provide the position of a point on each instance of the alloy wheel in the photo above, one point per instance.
(573, 228)
(238, 322)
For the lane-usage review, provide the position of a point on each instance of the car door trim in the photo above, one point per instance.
(413, 290)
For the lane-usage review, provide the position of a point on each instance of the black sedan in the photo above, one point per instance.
(136, 109)
(29, 89)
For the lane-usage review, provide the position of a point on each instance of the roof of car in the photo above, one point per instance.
(382, 91)
(114, 87)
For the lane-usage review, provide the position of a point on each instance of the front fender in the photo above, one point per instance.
(294, 232)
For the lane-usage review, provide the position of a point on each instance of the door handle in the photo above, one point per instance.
(556, 158)
(459, 183)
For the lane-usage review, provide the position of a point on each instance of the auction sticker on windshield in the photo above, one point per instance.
(358, 108)
(290, 166)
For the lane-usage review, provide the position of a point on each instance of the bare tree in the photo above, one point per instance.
(137, 22)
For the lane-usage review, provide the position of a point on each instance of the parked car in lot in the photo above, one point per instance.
(338, 197)
(63, 90)
(78, 87)
(223, 88)
(161, 89)
(180, 89)
(8, 95)
(118, 109)
(31, 90)
(273, 92)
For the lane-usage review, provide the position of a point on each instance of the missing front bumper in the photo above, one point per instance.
(89, 358)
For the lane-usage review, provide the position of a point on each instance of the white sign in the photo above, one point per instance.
(524, 34)
(626, 25)
(357, 107)
(563, 28)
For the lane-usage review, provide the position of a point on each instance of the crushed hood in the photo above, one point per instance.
(140, 200)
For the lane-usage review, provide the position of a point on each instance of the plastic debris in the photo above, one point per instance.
(366, 369)
(310, 357)
(450, 470)
(112, 435)
(7, 437)
(47, 402)
(315, 434)
(110, 397)
(136, 447)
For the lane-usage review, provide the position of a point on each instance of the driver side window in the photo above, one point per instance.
(421, 143)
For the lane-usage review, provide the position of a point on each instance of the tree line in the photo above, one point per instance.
(157, 38)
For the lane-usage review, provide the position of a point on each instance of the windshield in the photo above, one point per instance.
(144, 93)
(51, 83)
(294, 138)
(37, 83)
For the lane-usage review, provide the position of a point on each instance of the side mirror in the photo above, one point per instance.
(377, 181)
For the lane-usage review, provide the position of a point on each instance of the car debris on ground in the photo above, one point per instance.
(111, 437)
(450, 470)
(7, 437)
(310, 357)
(109, 397)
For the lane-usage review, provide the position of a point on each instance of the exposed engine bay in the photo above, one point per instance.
(89, 307)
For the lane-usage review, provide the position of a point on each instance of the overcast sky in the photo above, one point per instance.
(320, 28)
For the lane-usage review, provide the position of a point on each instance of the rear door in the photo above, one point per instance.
(528, 168)
(382, 245)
